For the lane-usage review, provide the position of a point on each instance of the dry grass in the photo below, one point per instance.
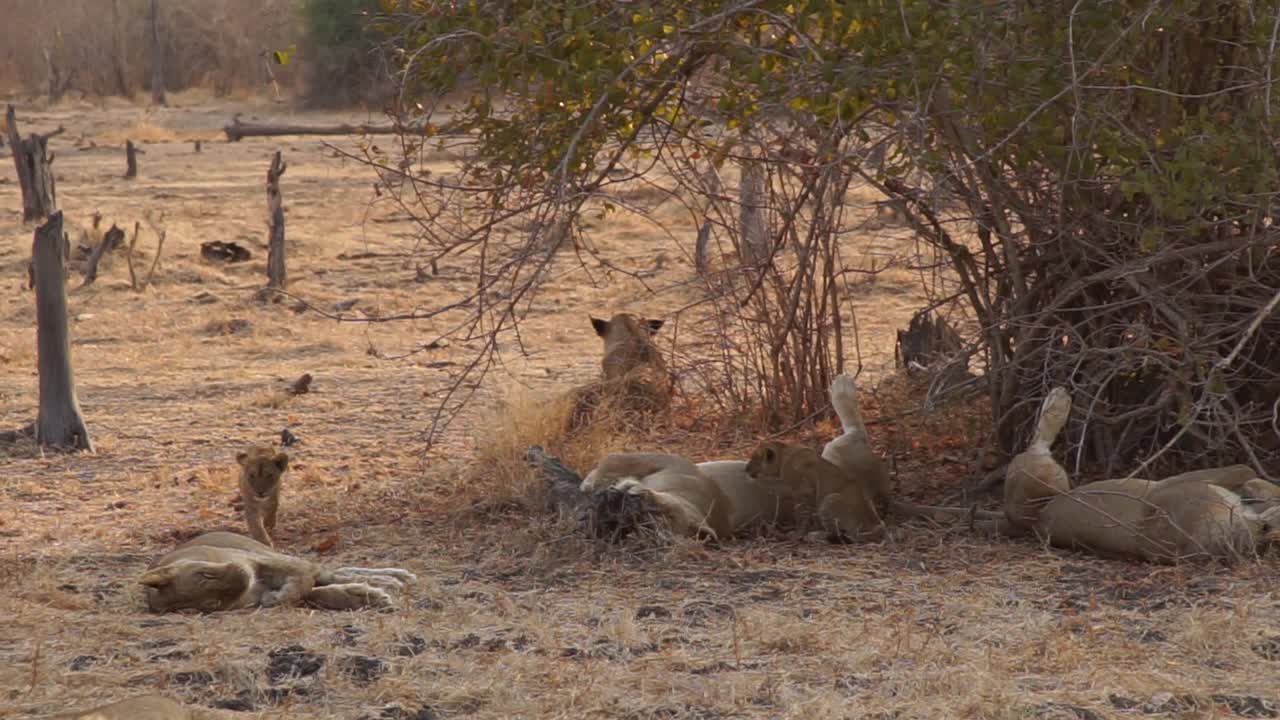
(516, 615)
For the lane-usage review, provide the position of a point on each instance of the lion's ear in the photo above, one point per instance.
(159, 577)
(281, 461)
(601, 326)
(654, 326)
(241, 457)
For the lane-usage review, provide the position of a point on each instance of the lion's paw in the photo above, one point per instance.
(843, 389)
(630, 486)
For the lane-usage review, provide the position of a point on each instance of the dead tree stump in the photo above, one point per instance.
(276, 275)
(131, 153)
(33, 161)
(113, 239)
(59, 423)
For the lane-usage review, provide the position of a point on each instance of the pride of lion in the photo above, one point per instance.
(841, 493)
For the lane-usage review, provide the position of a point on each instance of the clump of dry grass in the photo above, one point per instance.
(499, 475)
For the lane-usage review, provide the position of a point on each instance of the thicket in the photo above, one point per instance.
(1095, 181)
(340, 53)
(52, 47)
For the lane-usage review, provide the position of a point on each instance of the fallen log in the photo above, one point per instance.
(237, 130)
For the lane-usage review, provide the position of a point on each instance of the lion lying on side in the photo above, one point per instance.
(226, 571)
(846, 488)
(713, 499)
(1225, 513)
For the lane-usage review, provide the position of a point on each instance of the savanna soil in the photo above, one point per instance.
(515, 616)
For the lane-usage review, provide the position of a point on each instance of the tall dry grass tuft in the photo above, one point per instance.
(498, 476)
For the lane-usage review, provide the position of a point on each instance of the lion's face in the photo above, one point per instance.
(765, 465)
(195, 585)
(628, 343)
(261, 469)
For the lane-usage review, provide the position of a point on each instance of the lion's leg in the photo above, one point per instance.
(685, 518)
(290, 592)
(389, 577)
(253, 519)
(844, 400)
(269, 512)
(633, 466)
(348, 596)
(849, 517)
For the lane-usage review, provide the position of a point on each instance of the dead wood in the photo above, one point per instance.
(113, 239)
(609, 514)
(237, 130)
(301, 386)
(59, 423)
(33, 161)
(276, 272)
(222, 251)
(128, 256)
(160, 234)
(131, 153)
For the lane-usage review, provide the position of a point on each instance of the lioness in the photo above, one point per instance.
(1033, 476)
(260, 471)
(1178, 518)
(143, 707)
(226, 571)
(633, 372)
(714, 499)
(1202, 513)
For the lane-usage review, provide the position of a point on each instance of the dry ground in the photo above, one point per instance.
(514, 615)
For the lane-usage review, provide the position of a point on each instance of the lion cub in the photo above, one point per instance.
(260, 472)
(847, 485)
(225, 571)
(843, 505)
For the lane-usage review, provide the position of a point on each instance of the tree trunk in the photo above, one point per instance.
(32, 160)
(275, 212)
(59, 423)
(131, 160)
(157, 57)
(118, 60)
(753, 242)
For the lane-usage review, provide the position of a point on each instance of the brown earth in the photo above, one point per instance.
(514, 616)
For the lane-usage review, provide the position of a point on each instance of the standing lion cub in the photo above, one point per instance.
(260, 471)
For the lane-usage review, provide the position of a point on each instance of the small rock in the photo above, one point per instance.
(652, 611)
(347, 635)
(288, 439)
(292, 661)
(411, 646)
(363, 670)
(194, 678)
(82, 662)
